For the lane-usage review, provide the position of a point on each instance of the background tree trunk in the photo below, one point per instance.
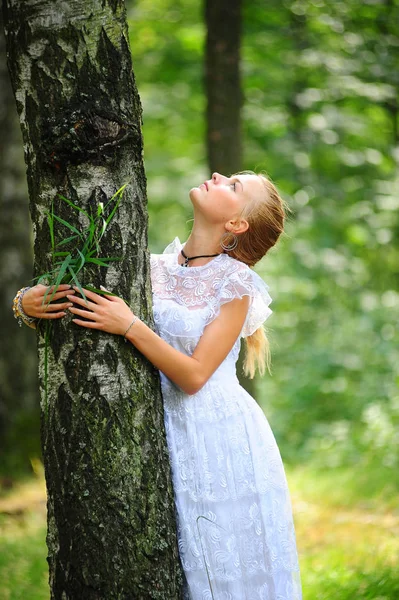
(223, 85)
(110, 511)
(19, 394)
(224, 102)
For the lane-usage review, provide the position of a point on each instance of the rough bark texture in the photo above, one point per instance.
(110, 511)
(224, 101)
(223, 85)
(19, 394)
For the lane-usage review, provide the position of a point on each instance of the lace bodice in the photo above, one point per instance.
(186, 300)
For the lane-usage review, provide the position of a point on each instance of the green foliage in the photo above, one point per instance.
(23, 567)
(347, 540)
(67, 265)
(334, 152)
(321, 117)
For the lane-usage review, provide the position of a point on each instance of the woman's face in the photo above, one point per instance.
(222, 199)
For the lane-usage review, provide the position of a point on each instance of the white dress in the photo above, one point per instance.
(235, 528)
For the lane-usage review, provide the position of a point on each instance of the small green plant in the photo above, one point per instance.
(85, 245)
(67, 265)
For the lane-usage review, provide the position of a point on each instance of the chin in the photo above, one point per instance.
(194, 193)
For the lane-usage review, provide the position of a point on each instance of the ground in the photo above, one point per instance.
(348, 547)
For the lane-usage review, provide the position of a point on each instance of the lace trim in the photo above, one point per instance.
(206, 287)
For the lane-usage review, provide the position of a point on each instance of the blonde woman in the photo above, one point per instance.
(235, 528)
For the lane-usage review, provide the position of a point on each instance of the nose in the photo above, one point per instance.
(216, 177)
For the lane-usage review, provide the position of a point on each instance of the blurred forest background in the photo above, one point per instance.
(320, 116)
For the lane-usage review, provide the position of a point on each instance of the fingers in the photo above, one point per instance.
(57, 307)
(84, 313)
(57, 315)
(61, 288)
(112, 297)
(59, 295)
(45, 289)
(82, 302)
(88, 324)
(45, 294)
(91, 295)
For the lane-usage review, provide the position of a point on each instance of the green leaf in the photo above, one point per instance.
(73, 205)
(110, 258)
(58, 280)
(77, 282)
(97, 261)
(74, 261)
(42, 278)
(117, 193)
(68, 225)
(113, 211)
(101, 292)
(91, 239)
(67, 240)
(82, 261)
(105, 258)
(50, 221)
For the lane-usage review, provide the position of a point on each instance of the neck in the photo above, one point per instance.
(200, 243)
(203, 242)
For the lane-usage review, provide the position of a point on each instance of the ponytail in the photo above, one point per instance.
(257, 353)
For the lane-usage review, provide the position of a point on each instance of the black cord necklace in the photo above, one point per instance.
(187, 258)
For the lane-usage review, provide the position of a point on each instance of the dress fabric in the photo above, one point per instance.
(234, 519)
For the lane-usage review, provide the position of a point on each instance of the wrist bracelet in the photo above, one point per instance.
(18, 311)
(131, 325)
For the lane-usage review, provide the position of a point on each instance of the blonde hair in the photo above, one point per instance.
(265, 217)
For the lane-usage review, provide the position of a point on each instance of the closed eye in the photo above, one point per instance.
(234, 183)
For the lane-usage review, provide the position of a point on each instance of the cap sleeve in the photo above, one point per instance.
(245, 282)
(174, 247)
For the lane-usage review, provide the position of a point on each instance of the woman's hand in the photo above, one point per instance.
(35, 301)
(106, 313)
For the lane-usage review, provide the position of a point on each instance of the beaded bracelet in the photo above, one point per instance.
(18, 311)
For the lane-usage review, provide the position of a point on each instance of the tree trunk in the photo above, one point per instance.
(224, 101)
(223, 85)
(19, 396)
(110, 511)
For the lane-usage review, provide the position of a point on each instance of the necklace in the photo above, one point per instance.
(187, 258)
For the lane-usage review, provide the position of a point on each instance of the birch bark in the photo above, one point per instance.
(110, 511)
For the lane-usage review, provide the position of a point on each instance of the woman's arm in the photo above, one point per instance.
(190, 373)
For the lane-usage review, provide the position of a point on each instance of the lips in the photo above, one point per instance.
(206, 185)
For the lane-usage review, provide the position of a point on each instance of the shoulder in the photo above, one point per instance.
(241, 281)
(167, 256)
(237, 272)
(162, 259)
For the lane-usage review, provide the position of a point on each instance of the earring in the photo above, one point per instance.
(224, 241)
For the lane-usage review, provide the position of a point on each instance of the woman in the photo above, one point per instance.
(235, 529)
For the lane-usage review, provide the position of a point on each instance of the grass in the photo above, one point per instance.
(84, 245)
(23, 567)
(348, 544)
